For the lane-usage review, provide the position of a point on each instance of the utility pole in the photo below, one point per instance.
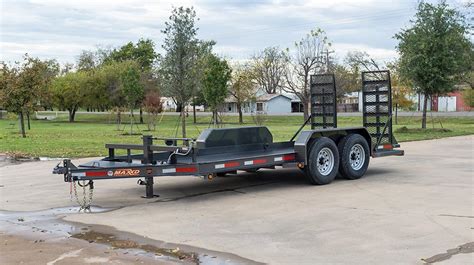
(328, 52)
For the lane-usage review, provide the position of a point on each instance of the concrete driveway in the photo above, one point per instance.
(404, 210)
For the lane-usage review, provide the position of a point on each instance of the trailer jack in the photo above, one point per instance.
(148, 183)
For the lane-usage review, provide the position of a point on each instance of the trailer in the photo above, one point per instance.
(321, 153)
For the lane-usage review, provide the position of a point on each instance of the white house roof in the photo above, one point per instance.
(268, 97)
(261, 98)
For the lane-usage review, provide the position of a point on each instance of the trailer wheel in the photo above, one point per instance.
(354, 153)
(323, 162)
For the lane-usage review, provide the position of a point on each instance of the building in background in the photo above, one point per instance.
(266, 103)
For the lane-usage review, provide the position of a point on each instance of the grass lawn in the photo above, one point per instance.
(87, 136)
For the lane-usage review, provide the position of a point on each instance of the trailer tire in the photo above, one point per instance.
(355, 156)
(323, 162)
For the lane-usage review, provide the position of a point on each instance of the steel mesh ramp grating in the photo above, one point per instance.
(323, 101)
(376, 99)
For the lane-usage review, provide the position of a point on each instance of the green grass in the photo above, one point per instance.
(87, 136)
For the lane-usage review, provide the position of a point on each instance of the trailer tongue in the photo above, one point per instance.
(322, 152)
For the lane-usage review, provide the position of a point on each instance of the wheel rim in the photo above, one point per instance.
(325, 161)
(357, 156)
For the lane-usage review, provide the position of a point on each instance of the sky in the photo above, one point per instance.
(61, 29)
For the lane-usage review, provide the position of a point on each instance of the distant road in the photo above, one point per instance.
(341, 114)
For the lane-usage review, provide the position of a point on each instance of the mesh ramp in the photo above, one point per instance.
(323, 101)
(376, 110)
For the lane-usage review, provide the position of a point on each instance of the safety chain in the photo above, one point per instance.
(85, 204)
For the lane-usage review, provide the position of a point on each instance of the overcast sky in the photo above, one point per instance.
(60, 29)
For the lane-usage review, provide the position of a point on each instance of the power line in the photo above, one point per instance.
(328, 22)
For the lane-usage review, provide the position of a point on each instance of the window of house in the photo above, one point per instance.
(259, 106)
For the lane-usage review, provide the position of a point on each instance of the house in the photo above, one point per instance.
(349, 102)
(169, 105)
(266, 103)
(451, 102)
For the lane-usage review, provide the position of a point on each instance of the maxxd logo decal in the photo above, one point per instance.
(126, 172)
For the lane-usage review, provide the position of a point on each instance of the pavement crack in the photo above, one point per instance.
(453, 215)
(462, 249)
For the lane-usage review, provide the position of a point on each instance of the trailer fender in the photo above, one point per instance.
(307, 138)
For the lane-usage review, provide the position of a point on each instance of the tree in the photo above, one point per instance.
(357, 60)
(180, 45)
(401, 89)
(67, 92)
(217, 74)
(24, 85)
(269, 68)
(112, 77)
(346, 80)
(242, 86)
(153, 107)
(143, 52)
(133, 90)
(87, 61)
(307, 59)
(204, 49)
(435, 50)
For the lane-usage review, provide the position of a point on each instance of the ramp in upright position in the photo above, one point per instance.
(376, 108)
(323, 101)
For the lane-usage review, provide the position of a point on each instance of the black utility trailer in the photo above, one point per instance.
(322, 152)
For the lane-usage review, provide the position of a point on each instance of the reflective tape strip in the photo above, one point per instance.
(82, 174)
(289, 157)
(259, 161)
(96, 173)
(278, 159)
(248, 163)
(387, 146)
(227, 165)
(186, 169)
(169, 170)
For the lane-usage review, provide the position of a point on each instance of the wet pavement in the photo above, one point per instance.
(47, 227)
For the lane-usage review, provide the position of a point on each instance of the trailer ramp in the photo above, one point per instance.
(323, 101)
(377, 112)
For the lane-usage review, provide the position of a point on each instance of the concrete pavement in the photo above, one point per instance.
(404, 210)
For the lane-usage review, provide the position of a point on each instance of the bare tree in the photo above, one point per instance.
(361, 60)
(306, 59)
(269, 68)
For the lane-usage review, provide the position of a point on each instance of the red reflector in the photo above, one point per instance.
(96, 174)
(387, 146)
(289, 157)
(232, 164)
(186, 169)
(259, 161)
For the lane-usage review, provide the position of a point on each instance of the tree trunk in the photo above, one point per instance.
(194, 112)
(179, 107)
(72, 114)
(305, 109)
(396, 113)
(22, 125)
(141, 115)
(119, 119)
(28, 119)
(131, 121)
(425, 106)
(239, 108)
(183, 122)
(214, 115)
